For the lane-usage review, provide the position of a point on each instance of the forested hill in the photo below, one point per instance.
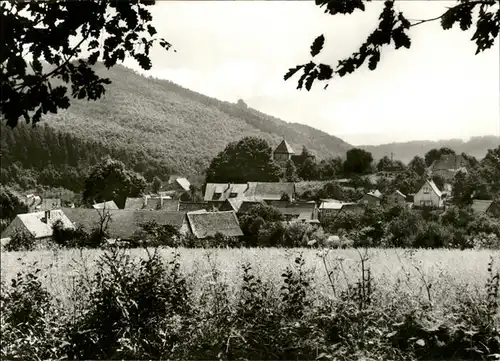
(475, 146)
(182, 128)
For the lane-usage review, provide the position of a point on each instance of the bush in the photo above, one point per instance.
(21, 241)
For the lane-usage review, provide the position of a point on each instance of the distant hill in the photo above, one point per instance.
(183, 128)
(475, 146)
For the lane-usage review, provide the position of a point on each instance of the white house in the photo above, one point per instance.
(428, 195)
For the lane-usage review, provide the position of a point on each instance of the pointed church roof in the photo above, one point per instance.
(284, 148)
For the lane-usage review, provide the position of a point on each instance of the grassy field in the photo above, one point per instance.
(395, 271)
(292, 304)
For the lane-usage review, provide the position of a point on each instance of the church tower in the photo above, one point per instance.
(283, 153)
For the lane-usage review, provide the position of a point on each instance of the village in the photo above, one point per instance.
(223, 204)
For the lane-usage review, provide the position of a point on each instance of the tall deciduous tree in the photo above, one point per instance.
(358, 161)
(417, 165)
(58, 33)
(110, 180)
(250, 159)
(435, 154)
(394, 29)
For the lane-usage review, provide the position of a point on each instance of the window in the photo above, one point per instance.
(233, 195)
(426, 190)
(216, 195)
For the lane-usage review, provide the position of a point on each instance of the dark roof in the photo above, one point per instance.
(480, 206)
(192, 206)
(207, 224)
(134, 203)
(124, 223)
(284, 148)
(247, 205)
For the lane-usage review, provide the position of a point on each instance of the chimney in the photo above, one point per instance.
(46, 217)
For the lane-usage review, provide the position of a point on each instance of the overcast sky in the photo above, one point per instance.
(437, 89)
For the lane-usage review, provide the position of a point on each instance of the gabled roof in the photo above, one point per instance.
(184, 183)
(153, 203)
(397, 192)
(480, 206)
(225, 190)
(105, 205)
(434, 187)
(284, 148)
(170, 205)
(269, 190)
(376, 193)
(333, 205)
(207, 224)
(40, 229)
(124, 223)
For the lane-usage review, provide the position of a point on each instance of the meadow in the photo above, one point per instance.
(391, 304)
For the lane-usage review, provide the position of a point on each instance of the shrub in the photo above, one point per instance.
(21, 241)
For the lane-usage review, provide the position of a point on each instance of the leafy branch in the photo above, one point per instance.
(393, 29)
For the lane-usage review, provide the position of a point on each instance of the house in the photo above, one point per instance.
(283, 153)
(428, 195)
(299, 211)
(448, 165)
(396, 198)
(488, 207)
(123, 223)
(38, 224)
(372, 198)
(330, 208)
(207, 224)
(105, 205)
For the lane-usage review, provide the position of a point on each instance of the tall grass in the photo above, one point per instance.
(251, 304)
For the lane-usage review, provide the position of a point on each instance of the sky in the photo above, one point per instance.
(230, 50)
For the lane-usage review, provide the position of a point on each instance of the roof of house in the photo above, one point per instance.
(376, 193)
(134, 203)
(331, 205)
(152, 203)
(434, 187)
(39, 229)
(449, 162)
(170, 205)
(184, 183)
(225, 190)
(124, 222)
(269, 190)
(247, 205)
(305, 209)
(480, 206)
(105, 205)
(284, 148)
(397, 192)
(192, 206)
(207, 224)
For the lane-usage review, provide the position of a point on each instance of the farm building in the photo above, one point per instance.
(192, 206)
(38, 224)
(448, 165)
(428, 195)
(330, 208)
(38, 204)
(299, 211)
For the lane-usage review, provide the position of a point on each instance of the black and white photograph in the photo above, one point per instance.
(250, 180)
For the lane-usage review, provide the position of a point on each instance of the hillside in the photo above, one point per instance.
(183, 128)
(475, 146)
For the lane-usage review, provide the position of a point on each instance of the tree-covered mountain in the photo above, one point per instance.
(405, 151)
(180, 127)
